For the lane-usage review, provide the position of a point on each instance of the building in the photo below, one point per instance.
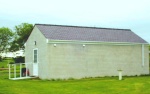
(59, 51)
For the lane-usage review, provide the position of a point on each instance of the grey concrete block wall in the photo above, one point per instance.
(76, 61)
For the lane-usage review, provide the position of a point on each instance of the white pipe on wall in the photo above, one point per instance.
(143, 55)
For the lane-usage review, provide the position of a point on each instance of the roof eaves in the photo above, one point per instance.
(90, 42)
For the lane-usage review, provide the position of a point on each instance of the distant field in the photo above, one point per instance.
(106, 85)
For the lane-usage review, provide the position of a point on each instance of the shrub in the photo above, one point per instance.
(11, 63)
(71, 78)
(1, 58)
(19, 59)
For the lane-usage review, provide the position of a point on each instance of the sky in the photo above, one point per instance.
(123, 14)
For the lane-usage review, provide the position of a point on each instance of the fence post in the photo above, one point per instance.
(14, 70)
(9, 72)
(26, 71)
(20, 70)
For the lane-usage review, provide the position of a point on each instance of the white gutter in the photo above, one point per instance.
(91, 42)
(143, 55)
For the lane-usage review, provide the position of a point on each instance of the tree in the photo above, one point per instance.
(22, 33)
(6, 36)
(14, 46)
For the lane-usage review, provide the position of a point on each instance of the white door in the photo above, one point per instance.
(35, 62)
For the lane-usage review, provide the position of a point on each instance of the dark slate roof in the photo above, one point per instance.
(63, 32)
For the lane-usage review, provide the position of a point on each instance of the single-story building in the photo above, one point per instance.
(60, 51)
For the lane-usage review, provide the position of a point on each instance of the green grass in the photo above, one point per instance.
(106, 85)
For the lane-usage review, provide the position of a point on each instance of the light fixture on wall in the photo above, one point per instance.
(83, 45)
(34, 42)
(54, 45)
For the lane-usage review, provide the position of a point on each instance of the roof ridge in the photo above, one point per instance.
(83, 27)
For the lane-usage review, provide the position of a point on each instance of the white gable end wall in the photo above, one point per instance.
(41, 45)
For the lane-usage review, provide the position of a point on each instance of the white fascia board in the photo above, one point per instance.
(47, 40)
(91, 42)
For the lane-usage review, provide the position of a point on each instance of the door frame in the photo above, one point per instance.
(35, 64)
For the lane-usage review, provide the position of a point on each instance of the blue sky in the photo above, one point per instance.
(126, 14)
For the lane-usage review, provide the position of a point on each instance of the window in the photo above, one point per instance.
(35, 55)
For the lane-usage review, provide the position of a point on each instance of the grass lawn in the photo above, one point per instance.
(106, 85)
